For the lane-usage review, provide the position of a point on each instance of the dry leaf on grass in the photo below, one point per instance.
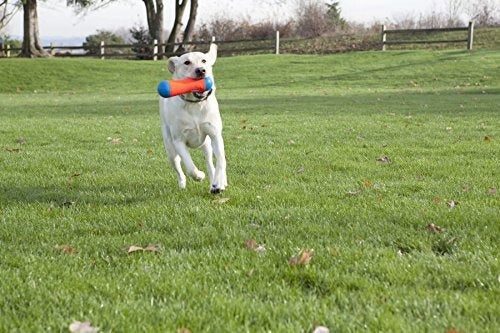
(367, 183)
(302, 259)
(13, 150)
(436, 200)
(68, 203)
(355, 192)
(434, 228)
(251, 244)
(21, 140)
(321, 329)
(149, 248)
(79, 327)
(65, 248)
(149, 151)
(487, 139)
(492, 191)
(183, 330)
(116, 141)
(300, 170)
(152, 248)
(384, 159)
(220, 201)
(134, 248)
(452, 203)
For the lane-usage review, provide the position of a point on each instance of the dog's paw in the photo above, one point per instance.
(198, 175)
(216, 189)
(182, 183)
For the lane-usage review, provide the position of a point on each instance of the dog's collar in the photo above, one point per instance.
(183, 97)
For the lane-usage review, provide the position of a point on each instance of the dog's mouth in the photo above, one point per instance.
(199, 95)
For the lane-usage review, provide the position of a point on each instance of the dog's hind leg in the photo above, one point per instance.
(208, 153)
(173, 157)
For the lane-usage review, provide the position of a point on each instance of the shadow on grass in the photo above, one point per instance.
(64, 197)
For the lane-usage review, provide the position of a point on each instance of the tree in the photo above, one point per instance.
(92, 43)
(32, 47)
(484, 12)
(142, 42)
(7, 11)
(334, 14)
(154, 14)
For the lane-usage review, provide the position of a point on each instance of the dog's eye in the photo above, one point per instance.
(203, 61)
(187, 62)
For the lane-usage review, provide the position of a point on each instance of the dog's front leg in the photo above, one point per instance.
(191, 169)
(219, 182)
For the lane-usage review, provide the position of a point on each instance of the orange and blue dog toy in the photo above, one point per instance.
(171, 88)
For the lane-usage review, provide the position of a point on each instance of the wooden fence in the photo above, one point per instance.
(385, 42)
(154, 50)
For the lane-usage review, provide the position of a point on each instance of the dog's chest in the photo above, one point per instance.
(195, 134)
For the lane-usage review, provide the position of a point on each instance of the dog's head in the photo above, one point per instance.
(193, 65)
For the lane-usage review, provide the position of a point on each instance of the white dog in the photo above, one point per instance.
(193, 120)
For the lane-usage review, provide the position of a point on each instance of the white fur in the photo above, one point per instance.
(194, 125)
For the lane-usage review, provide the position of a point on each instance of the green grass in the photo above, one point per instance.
(375, 266)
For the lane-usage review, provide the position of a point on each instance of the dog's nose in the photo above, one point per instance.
(200, 72)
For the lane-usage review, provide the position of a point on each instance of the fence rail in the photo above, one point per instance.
(154, 50)
(384, 41)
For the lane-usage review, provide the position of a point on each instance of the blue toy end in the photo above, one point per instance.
(209, 83)
(164, 89)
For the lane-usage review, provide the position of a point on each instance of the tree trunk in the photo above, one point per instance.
(32, 47)
(193, 10)
(154, 14)
(180, 6)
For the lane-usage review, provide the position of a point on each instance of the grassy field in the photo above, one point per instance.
(83, 176)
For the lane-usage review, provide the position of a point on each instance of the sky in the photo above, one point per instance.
(57, 21)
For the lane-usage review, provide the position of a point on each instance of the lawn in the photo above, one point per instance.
(352, 156)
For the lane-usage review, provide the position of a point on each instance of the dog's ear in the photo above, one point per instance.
(172, 62)
(212, 54)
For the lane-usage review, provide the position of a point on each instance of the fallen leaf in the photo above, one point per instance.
(76, 175)
(21, 140)
(434, 228)
(13, 150)
(304, 259)
(355, 192)
(384, 159)
(67, 203)
(492, 191)
(452, 203)
(149, 151)
(244, 120)
(134, 248)
(291, 142)
(367, 183)
(321, 329)
(183, 330)
(487, 139)
(244, 127)
(300, 170)
(220, 201)
(152, 248)
(251, 244)
(79, 327)
(436, 200)
(66, 249)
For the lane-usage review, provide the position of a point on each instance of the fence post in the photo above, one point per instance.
(383, 37)
(155, 49)
(277, 42)
(7, 52)
(102, 49)
(470, 35)
(52, 49)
